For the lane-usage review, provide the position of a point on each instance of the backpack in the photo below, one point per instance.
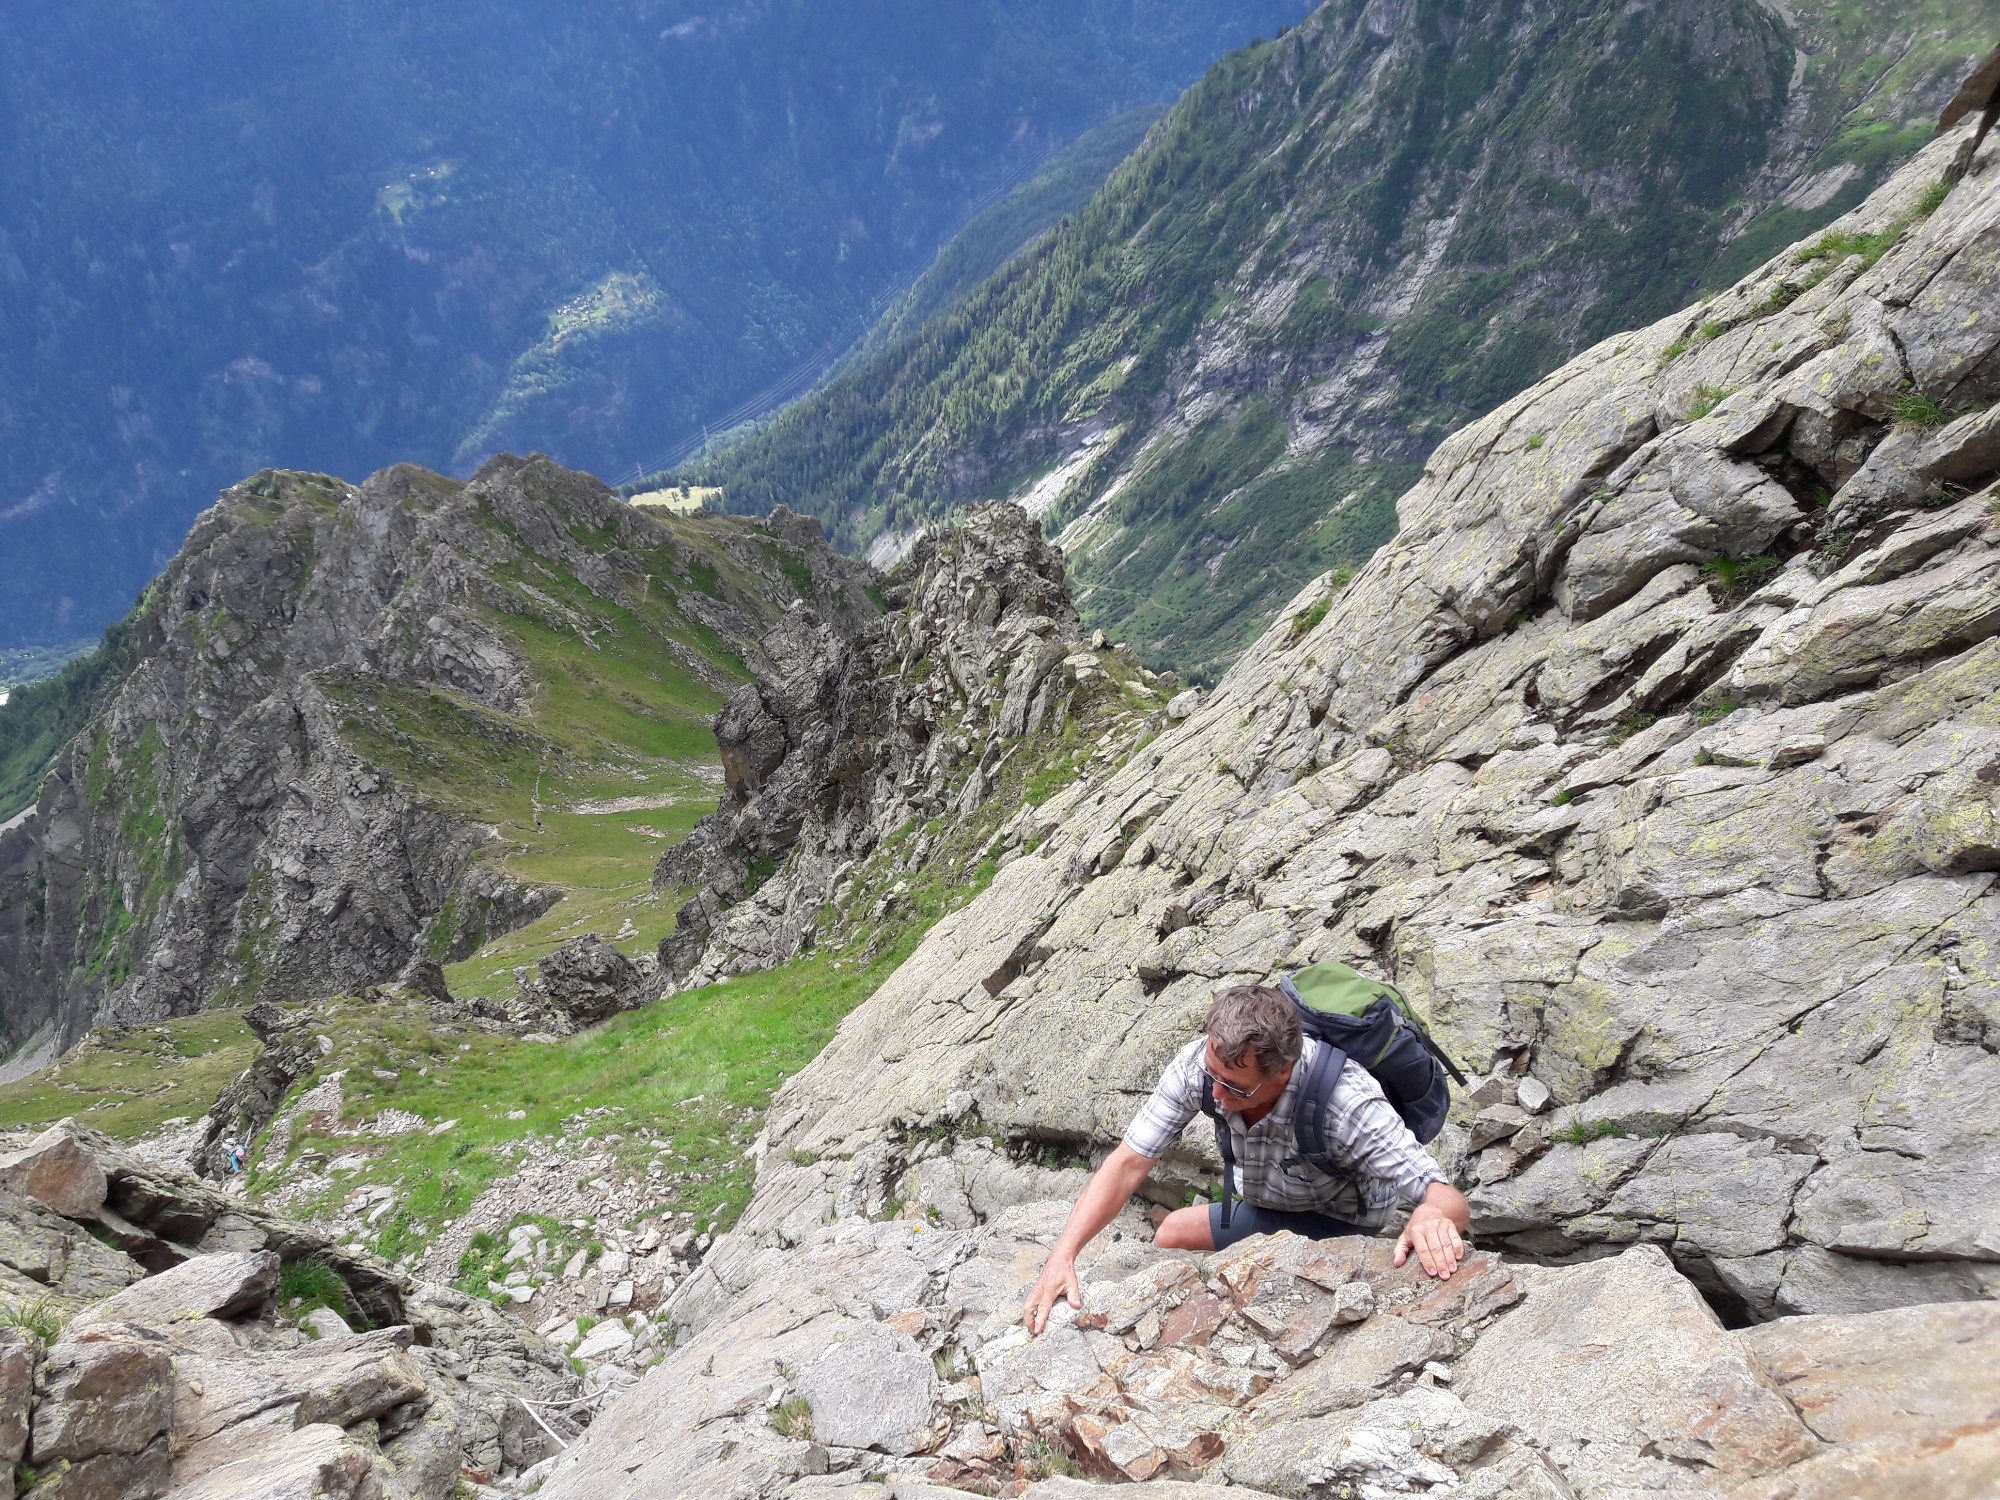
(1351, 1015)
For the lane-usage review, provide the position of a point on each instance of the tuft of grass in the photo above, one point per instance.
(1839, 244)
(312, 1283)
(1740, 575)
(1630, 723)
(1562, 798)
(1675, 350)
(480, 1262)
(1045, 1460)
(1706, 399)
(1711, 331)
(1583, 1132)
(1915, 409)
(1717, 711)
(1778, 299)
(1537, 440)
(1304, 621)
(1933, 198)
(42, 1315)
(793, 1418)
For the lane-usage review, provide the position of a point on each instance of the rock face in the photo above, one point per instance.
(219, 830)
(195, 1382)
(57, 1173)
(1660, 782)
(894, 1349)
(848, 734)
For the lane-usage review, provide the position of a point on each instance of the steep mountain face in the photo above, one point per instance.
(849, 737)
(1649, 774)
(360, 233)
(1337, 248)
(336, 696)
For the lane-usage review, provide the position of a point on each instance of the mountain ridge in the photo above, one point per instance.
(335, 700)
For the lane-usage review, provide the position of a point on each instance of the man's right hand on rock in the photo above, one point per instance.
(1058, 1279)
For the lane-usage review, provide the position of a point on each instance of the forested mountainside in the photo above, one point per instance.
(1061, 186)
(360, 234)
(1339, 246)
(356, 727)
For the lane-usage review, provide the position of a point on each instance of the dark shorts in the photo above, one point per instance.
(1246, 1219)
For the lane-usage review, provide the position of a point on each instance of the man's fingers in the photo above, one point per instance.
(1441, 1248)
(1036, 1313)
(1043, 1297)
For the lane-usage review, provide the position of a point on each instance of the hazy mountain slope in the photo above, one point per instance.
(1063, 185)
(361, 233)
(1337, 247)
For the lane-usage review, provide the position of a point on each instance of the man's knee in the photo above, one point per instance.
(1185, 1229)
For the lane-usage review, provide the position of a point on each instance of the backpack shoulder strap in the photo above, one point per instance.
(1315, 1094)
(1223, 1145)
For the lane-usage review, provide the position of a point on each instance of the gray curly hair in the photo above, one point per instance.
(1256, 1018)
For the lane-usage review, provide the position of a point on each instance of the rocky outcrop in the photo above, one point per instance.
(192, 1376)
(1658, 785)
(580, 982)
(1283, 1367)
(848, 735)
(227, 827)
(250, 1101)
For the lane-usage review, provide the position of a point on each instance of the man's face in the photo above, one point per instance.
(1243, 1084)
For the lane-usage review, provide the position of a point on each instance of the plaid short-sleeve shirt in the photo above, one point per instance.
(1387, 1169)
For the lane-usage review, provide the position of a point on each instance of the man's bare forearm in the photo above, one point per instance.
(1111, 1186)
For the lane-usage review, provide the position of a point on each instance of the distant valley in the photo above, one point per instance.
(365, 234)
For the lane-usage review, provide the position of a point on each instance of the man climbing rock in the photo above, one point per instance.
(1253, 1069)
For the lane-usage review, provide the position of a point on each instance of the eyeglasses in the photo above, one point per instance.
(1229, 1088)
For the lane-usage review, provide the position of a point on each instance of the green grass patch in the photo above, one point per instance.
(1583, 1132)
(1915, 409)
(1628, 724)
(1308, 618)
(1706, 399)
(128, 1082)
(308, 1284)
(1740, 575)
(793, 1418)
(41, 1316)
(694, 1070)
